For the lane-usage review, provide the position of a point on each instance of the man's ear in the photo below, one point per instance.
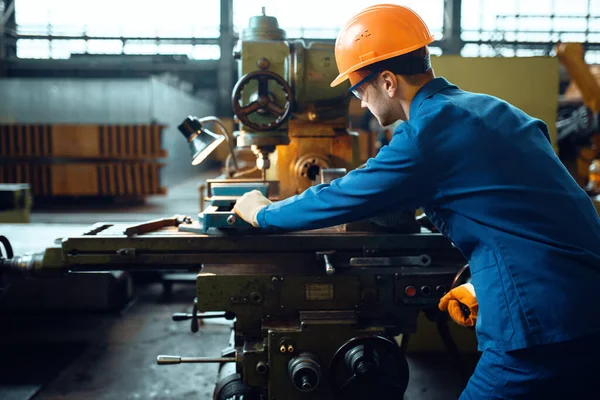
(390, 83)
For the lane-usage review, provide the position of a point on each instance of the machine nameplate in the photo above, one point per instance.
(319, 291)
(239, 300)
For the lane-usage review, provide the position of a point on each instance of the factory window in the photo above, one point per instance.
(117, 27)
(527, 28)
(508, 28)
(323, 19)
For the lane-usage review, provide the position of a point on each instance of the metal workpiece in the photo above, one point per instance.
(221, 197)
(328, 175)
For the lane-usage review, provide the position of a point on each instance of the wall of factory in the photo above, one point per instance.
(107, 101)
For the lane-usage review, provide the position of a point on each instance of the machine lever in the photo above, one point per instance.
(426, 223)
(324, 255)
(194, 326)
(186, 316)
(169, 360)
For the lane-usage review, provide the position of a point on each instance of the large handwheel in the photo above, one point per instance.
(368, 367)
(463, 276)
(264, 104)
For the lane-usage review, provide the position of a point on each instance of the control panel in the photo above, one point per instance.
(422, 289)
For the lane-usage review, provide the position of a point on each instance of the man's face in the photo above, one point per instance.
(371, 91)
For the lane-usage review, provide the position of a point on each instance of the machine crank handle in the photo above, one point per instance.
(325, 256)
(170, 360)
(196, 318)
(426, 223)
(465, 310)
(463, 276)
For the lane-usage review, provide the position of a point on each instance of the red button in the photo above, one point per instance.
(410, 291)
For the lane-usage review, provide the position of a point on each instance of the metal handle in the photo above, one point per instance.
(169, 360)
(7, 248)
(186, 316)
(463, 276)
(329, 270)
(324, 255)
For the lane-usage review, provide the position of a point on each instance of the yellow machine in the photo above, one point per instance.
(289, 116)
(578, 138)
(582, 125)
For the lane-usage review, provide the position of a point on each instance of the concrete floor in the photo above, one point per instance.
(111, 355)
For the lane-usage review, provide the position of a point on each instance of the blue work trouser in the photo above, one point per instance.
(566, 370)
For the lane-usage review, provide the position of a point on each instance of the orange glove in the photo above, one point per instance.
(458, 299)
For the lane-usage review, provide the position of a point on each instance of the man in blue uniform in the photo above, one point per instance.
(486, 175)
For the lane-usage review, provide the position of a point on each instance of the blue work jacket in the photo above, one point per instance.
(486, 175)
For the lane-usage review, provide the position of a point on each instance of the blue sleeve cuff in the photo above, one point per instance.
(261, 219)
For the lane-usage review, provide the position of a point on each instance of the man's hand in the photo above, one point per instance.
(248, 206)
(457, 299)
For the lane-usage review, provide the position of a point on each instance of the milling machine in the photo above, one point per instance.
(289, 116)
(315, 313)
(295, 124)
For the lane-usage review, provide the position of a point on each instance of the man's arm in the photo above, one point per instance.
(396, 178)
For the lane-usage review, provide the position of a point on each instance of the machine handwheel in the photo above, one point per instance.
(264, 103)
(463, 276)
(7, 248)
(369, 367)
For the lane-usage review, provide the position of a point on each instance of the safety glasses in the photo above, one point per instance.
(355, 89)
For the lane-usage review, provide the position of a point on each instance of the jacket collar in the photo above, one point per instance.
(427, 90)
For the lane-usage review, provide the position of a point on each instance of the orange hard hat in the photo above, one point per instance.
(378, 33)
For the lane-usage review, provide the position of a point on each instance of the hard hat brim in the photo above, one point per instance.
(344, 75)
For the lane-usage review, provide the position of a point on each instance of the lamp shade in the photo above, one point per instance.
(202, 142)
